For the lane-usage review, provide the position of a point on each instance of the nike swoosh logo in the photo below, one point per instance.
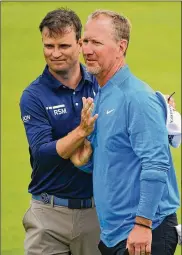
(110, 111)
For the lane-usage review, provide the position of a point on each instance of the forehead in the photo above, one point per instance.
(67, 35)
(100, 27)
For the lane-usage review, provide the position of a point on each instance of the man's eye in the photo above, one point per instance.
(65, 46)
(97, 43)
(85, 41)
(48, 46)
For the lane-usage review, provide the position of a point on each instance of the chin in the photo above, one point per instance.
(58, 69)
(93, 70)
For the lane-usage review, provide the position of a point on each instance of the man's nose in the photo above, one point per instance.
(87, 49)
(56, 53)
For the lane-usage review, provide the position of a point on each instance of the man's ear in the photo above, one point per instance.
(80, 42)
(123, 46)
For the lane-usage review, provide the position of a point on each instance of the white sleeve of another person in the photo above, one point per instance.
(173, 122)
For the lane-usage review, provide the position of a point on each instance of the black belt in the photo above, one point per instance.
(70, 203)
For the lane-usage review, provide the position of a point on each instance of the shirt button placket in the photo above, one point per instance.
(75, 100)
(74, 93)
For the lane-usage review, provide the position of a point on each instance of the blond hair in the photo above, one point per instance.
(121, 25)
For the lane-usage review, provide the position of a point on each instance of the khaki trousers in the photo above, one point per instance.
(58, 230)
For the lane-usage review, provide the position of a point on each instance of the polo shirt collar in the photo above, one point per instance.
(122, 74)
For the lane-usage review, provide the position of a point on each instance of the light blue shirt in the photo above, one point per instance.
(133, 173)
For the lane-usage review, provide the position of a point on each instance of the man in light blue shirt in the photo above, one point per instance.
(135, 187)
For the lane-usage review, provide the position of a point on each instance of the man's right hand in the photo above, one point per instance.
(139, 241)
(87, 120)
(67, 145)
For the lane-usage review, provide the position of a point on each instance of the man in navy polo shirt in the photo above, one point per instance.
(62, 217)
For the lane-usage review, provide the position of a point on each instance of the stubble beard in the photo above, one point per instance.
(93, 70)
(64, 72)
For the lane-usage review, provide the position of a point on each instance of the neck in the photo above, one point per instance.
(105, 76)
(70, 78)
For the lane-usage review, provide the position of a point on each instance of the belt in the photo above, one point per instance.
(70, 203)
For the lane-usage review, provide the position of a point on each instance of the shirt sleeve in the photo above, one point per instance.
(173, 122)
(38, 131)
(149, 140)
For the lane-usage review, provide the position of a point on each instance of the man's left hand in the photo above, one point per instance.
(139, 241)
(82, 154)
(171, 101)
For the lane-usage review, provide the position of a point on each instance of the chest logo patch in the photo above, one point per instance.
(26, 118)
(57, 109)
(109, 111)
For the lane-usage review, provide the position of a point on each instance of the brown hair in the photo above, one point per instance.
(57, 21)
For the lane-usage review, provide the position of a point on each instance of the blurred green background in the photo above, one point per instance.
(154, 55)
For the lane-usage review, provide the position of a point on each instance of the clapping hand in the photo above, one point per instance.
(87, 120)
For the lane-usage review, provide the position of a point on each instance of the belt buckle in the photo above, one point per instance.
(45, 198)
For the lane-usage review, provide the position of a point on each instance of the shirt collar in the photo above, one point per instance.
(53, 83)
(118, 78)
(85, 77)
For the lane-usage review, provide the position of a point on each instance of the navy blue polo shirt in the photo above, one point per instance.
(49, 111)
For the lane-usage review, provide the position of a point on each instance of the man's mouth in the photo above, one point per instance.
(90, 60)
(58, 60)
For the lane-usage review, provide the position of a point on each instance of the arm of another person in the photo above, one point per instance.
(82, 157)
(173, 120)
(67, 145)
(44, 148)
(149, 140)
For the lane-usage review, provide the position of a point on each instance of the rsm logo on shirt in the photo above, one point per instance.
(60, 111)
(57, 109)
